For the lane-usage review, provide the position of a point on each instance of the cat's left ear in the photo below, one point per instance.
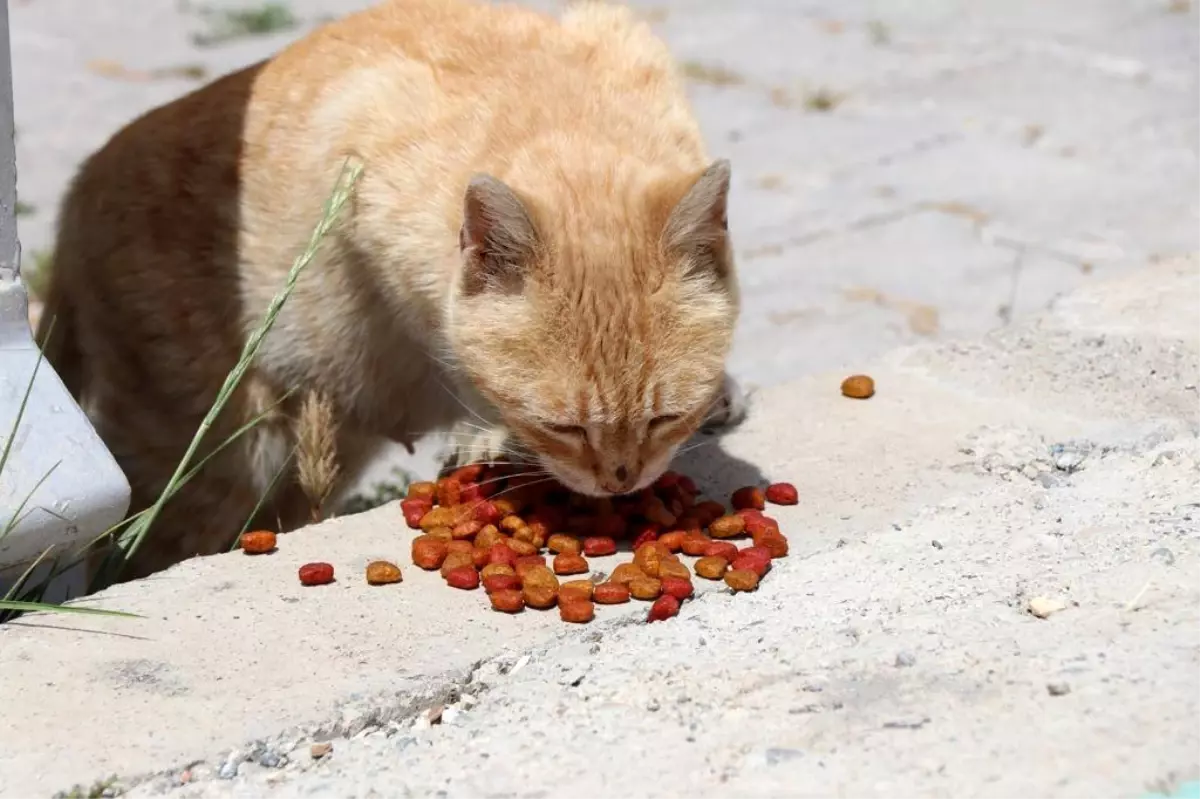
(498, 240)
(699, 223)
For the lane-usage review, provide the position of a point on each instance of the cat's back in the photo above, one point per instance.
(414, 69)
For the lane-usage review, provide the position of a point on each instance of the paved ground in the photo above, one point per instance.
(906, 173)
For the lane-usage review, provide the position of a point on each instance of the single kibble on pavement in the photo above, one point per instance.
(258, 542)
(382, 572)
(858, 387)
(782, 494)
(316, 574)
(488, 524)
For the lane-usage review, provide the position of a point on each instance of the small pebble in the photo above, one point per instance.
(936, 544)
(228, 769)
(905, 659)
(1058, 688)
(1043, 607)
(319, 750)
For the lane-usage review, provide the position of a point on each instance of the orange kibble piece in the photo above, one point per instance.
(576, 589)
(467, 529)
(496, 569)
(673, 568)
(645, 588)
(741, 579)
(727, 526)
(511, 524)
(382, 572)
(522, 548)
(695, 543)
(508, 600)
(488, 535)
(428, 552)
(449, 492)
(576, 611)
(457, 560)
(439, 517)
(858, 387)
(561, 542)
(540, 595)
(570, 563)
(626, 572)
(258, 542)
(673, 540)
(711, 568)
(775, 543)
(444, 533)
(460, 546)
(649, 558)
(425, 491)
(610, 594)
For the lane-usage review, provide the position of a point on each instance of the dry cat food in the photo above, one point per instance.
(316, 574)
(258, 543)
(382, 572)
(517, 535)
(858, 387)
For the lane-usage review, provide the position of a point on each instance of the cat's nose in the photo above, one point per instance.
(621, 480)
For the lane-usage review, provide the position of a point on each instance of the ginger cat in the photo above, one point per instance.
(538, 240)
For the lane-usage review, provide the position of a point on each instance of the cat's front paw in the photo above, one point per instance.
(470, 442)
(730, 409)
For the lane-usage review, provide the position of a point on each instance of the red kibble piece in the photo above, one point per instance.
(501, 553)
(688, 484)
(667, 480)
(429, 552)
(501, 582)
(677, 587)
(673, 540)
(775, 543)
(466, 529)
(757, 561)
(663, 608)
(570, 563)
(782, 494)
(508, 600)
(316, 574)
(464, 577)
(467, 474)
(645, 537)
(721, 549)
(471, 493)
(761, 524)
(599, 546)
(748, 497)
(486, 512)
(610, 594)
(414, 510)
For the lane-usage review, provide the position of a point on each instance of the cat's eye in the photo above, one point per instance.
(659, 422)
(567, 430)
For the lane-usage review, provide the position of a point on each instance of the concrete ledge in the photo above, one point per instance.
(1058, 458)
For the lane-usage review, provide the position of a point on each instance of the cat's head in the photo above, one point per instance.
(597, 328)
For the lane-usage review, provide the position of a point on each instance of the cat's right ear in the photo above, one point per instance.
(497, 241)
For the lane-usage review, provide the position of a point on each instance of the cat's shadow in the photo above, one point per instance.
(716, 472)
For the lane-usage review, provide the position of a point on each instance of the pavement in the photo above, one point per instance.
(992, 207)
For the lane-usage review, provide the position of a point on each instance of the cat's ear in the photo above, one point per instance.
(698, 225)
(498, 239)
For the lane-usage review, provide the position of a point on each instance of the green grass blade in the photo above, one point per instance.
(12, 434)
(262, 499)
(133, 537)
(17, 518)
(12, 591)
(30, 607)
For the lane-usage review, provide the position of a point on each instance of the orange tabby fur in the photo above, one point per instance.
(538, 241)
